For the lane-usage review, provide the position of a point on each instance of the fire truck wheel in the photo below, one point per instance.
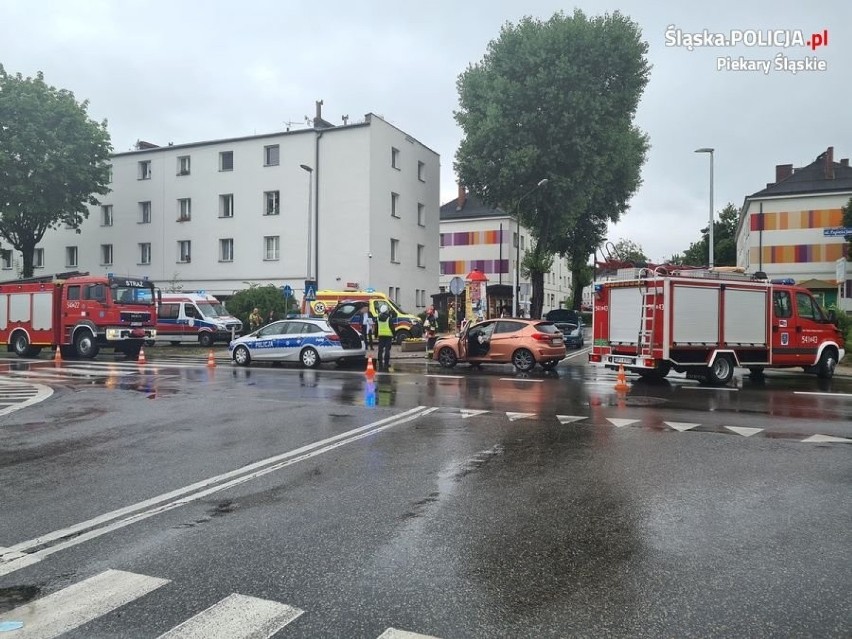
(21, 344)
(523, 360)
(309, 358)
(662, 369)
(827, 363)
(447, 358)
(206, 340)
(721, 372)
(241, 356)
(85, 344)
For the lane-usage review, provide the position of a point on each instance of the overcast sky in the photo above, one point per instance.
(172, 71)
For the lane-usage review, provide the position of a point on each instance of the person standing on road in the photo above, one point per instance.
(367, 329)
(430, 326)
(385, 325)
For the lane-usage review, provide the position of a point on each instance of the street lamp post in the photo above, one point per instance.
(710, 227)
(517, 273)
(310, 194)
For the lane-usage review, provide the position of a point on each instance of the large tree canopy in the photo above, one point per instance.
(556, 100)
(724, 241)
(54, 161)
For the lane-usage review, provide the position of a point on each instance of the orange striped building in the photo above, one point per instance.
(794, 227)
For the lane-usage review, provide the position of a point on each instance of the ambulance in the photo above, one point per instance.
(195, 318)
(405, 324)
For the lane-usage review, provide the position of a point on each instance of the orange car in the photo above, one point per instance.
(520, 342)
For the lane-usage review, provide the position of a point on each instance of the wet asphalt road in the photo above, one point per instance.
(564, 509)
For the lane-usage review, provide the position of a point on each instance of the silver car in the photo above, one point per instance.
(308, 341)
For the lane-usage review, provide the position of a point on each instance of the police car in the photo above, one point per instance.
(305, 340)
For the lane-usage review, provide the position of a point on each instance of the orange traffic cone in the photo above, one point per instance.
(57, 355)
(141, 358)
(621, 379)
(370, 372)
(211, 361)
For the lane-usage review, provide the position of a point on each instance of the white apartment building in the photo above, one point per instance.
(350, 206)
(476, 236)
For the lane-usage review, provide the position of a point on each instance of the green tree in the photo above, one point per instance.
(724, 241)
(630, 251)
(265, 298)
(54, 161)
(556, 100)
(847, 223)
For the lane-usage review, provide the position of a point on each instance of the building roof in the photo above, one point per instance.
(471, 208)
(823, 175)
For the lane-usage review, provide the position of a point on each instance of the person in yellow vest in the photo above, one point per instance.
(384, 325)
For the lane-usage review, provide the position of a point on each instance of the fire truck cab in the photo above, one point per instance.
(707, 322)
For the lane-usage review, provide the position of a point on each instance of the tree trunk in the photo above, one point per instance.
(537, 301)
(27, 254)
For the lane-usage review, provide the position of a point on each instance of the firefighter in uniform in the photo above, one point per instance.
(385, 331)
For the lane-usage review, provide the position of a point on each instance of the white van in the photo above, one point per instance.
(195, 317)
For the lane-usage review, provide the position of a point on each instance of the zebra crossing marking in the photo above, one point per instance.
(80, 603)
(744, 430)
(393, 633)
(681, 426)
(236, 617)
(570, 419)
(619, 422)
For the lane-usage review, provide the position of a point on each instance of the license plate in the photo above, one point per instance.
(622, 360)
(557, 340)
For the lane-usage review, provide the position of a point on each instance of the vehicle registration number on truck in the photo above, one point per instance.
(621, 360)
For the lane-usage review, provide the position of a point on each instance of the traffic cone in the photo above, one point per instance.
(141, 359)
(57, 355)
(370, 372)
(211, 361)
(621, 379)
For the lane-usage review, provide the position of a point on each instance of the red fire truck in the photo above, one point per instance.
(78, 313)
(706, 322)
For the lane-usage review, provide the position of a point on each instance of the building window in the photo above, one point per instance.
(226, 205)
(226, 250)
(272, 203)
(183, 250)
(421, 214)
(395, 204)
(395, 158)
(421, 256)
(109, 174)
(106, 215)
(145, 253)
(38, 258)
(71, 256)
(421, 171)
(183, 165)
(522, 243)
(144, 170)
(226, 161)
(270, 155)
(271, 245)
(6, 259)
(144, 212)
(106, 254)
(394, 251)
(184, 209)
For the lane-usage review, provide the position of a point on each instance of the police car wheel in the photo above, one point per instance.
(309, 358)
(206, 340)
(241, 356)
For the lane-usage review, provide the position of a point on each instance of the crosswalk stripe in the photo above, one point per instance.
(393, 633)
(236, 617)
(78, 604)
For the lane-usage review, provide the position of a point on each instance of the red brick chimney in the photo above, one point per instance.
(783, 171)
(828, 163)
(462, 197)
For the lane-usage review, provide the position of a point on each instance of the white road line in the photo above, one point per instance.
(826, 439)
(446, 376)
(521, 379)
(84, 531)
(393, 633)
(822, 394)
(236, 617)
(713, 388)
(75, 605)
(41, 394)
